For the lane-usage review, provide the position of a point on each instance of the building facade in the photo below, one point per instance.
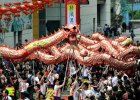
(17, 30)
(97, 12)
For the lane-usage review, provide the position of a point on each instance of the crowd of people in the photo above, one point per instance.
(109, 31)
(38, 81)
(115, 30)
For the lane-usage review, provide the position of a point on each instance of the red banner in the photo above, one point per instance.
(72, 9)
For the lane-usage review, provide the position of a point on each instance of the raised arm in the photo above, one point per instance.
(60, 86)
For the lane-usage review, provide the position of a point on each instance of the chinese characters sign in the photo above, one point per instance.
(71, 14)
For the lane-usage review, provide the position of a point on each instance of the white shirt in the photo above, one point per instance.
(109, 80)
(85, 72)
(114, 81)
(72, 70)
(36, 79)
(86, 93)
(76, 94)
(95, 93)
(51, 79)
(23, 86)
(7, 98)
(57, 91)
(43, 88)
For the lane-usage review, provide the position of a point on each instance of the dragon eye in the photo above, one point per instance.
(74, 27)
(66, 29)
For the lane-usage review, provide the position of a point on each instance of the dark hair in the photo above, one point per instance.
(119, 95)
(40, 73)
(6, 92)
(125, 77)
(24, 78)
(26, 40)
(86, 84)
(92, 98)
(130, 96)
(70, 98)
(104, 76)
(38, 86)
(55, 81)
(30, 71)
(115, 88)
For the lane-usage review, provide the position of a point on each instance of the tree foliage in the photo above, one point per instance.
(124, 9)
(136, 15)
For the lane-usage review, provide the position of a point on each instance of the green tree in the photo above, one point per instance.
(136, 15)
(117, 19)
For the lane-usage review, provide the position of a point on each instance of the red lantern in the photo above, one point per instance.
(17, 3)
(10, 3)
(46, 1)
(7, 18)
(3, 10)
(0, 4)
(30, 5)
(26, 12)
(38, 2)
(17, 15)
(13, 9)
(8, 14)
(7, 5)
(23, 7)
(84, 1)
(25, 2)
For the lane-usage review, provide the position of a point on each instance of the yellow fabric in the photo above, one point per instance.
(11, 90)
(50, 94)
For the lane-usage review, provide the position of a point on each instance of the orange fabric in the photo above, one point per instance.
(47, 73)
(57, 92)
(72, 93)
(65, 97)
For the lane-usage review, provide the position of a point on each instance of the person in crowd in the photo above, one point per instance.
(26, 40)
(132, 35)
(105, 30)
(90, 83)
(11, 90)
(108, 30)
(57, 87)
(23, 86)
(73, 89)
(5, 95)
(130, 26)
(85, 91)
(124, 26)
(138, 44)
(99, 29)
(39, 95)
